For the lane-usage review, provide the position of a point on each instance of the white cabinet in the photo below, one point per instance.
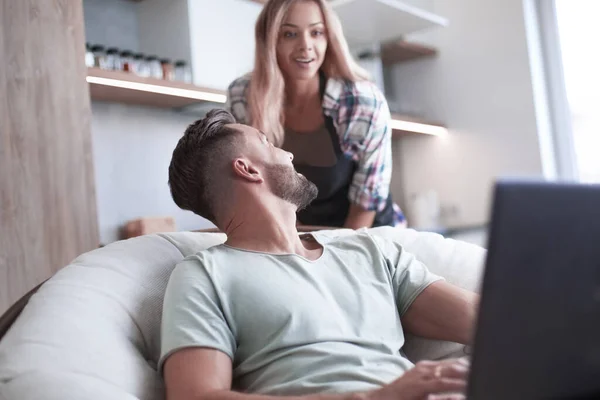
(377, 29)
(368, 22)
(215, 37)
(222, 35)
(164, 29)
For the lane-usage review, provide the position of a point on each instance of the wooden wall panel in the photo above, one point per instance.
(47, 197)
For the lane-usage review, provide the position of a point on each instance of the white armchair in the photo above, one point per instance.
(92, 331)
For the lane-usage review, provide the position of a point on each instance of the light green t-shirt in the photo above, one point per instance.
(293, 326)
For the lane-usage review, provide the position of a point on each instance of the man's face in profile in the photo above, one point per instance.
(281, 176)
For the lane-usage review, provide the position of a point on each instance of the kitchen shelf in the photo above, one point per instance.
(411, 126)
(401, 51)
(378, 21)
(124, 87)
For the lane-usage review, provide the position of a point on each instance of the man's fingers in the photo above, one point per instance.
(455, 370)
(445, 385)
(426, 363)
(460, 361)
(446, 397)
(464, 361)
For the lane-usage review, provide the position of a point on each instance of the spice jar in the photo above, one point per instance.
(126, 61)
(99, 56)
(140, 66)
(113, 59)
(167, 69)
(154, 67)
(89, 56)
(182, 72)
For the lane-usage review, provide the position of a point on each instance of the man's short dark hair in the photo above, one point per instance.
(198, 163)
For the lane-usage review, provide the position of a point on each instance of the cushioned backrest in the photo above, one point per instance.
(92, 331)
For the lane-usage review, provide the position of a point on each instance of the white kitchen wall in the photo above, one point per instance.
(111, 23)
(222, 44)
(164, 29)
(132, 151)
(480, 86)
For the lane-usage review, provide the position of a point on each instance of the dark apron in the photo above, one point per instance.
(331, 206)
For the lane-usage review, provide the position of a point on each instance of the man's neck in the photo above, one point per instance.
(268, 229)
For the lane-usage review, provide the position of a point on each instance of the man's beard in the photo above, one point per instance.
(290, 186)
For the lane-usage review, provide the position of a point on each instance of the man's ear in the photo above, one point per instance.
(244, 169)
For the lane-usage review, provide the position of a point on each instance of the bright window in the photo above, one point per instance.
(578, 32)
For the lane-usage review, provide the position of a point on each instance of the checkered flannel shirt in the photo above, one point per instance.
(362, 120)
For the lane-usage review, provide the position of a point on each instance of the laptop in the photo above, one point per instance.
(538, 330)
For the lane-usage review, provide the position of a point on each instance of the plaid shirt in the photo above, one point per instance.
(362, 119)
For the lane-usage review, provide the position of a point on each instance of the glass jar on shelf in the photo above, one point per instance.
(154, 67)
(183, 72)
(140, 66)
(99, 56)
(167, 69)
(113, 59)
(89, 56)
(126, 61)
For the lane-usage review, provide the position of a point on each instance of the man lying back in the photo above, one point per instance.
(270, 313)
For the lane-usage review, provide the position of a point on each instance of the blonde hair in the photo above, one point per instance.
(266, 92)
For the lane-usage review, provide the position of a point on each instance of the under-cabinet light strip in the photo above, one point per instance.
(146, 87)
(221, 98)
(417, 127)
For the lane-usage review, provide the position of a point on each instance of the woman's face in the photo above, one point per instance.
(302, 41)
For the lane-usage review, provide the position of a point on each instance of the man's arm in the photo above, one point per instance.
(444, 312)
(206, 374)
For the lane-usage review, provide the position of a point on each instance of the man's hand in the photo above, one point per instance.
(428, 380)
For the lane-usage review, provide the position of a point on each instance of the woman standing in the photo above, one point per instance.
(309, 96)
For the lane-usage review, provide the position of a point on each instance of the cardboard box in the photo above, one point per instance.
(148, 225)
